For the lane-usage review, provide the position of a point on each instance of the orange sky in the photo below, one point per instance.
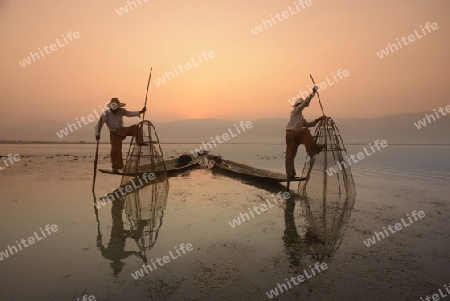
(250, 76)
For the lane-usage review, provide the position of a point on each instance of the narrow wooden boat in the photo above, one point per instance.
(248, 172)
(173, 166)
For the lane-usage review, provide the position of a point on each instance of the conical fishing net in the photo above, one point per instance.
(145, 175)
(144, 207)
(145, 154)
(329, 191)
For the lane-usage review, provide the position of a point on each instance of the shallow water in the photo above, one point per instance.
(226, 263)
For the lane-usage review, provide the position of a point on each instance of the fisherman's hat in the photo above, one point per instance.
(116, 102)
(298, 102)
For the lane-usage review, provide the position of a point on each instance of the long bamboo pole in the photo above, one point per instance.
(146, 94)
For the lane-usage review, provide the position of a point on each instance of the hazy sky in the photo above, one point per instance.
(246, 76)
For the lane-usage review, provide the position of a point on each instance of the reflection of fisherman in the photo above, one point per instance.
(116, 246)
(296, 246)
(291, 237)
(323, 235)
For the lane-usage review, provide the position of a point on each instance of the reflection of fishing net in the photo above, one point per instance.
(329, 190)
(324, 235)
(145, 209)
(145, 174)
(144, 156)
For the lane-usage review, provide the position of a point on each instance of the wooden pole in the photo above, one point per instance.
(320, 102)
(95, 166)
(148, 85)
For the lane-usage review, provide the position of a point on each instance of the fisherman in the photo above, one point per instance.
(113, 117)
(297, 132)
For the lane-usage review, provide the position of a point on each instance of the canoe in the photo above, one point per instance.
(172, 165)
(174, 168)
(248, 172)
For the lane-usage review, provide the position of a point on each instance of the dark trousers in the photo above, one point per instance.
(116, 138)
(293, 140)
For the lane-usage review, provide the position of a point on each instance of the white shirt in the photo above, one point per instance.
(114, 121)
(297, 121)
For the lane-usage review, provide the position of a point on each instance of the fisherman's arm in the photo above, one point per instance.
(314, 123)
(134, 113)
(310, 96)
(310, 124)
(98, 127)
(308, 99)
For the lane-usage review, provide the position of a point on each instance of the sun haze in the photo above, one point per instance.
(222, 59)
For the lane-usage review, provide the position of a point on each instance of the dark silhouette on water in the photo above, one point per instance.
(327, 198)
(144, 210)
(322, 236)
(115, 251)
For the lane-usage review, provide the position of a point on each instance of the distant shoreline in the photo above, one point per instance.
(236, 143)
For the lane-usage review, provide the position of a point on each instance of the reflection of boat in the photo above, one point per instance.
(247, 172)
(144, 209)
(173, 166)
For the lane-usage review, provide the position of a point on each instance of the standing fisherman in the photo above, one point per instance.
(114, 120)
(297, 132)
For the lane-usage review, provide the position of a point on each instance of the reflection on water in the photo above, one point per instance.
(144, 210)
(273, 187)
(326, 226)
(325, 229)
(115, 250)
(328, 194)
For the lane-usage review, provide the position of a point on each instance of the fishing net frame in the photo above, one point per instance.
(142, 204)
(144, 208)
(144, 156)
(327, 133)
(328, 193)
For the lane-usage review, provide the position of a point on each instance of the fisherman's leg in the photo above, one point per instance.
(135, 131)
(291, 236)
(297, 141)
(309, 142)
(290, 153)
(117, 229)
(116, 151)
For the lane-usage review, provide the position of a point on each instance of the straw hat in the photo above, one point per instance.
(115, 103)
(298, 102)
